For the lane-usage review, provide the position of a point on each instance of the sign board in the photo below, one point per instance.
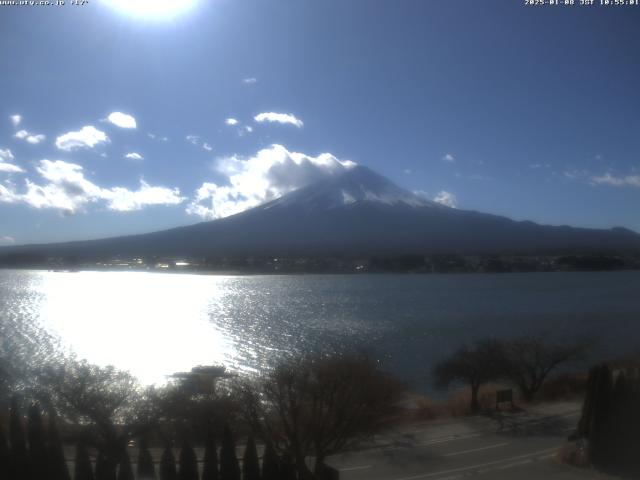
(503, 396)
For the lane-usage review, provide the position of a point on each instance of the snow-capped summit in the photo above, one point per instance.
(356, 185)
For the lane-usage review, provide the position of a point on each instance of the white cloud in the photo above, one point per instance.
(6, 155)
(250, 81)
(613, 181)
(87, 137)
(446, 198)
(7, 195)
(29, 137)
(15, 119)
(122, 120)
(284, 118)
(242, 130)
(194, 139)
(197, 141)
(5, 158)
(133, 156)
(10, 168)
(7, 240)
(267, 175)
(66, 189)
(449, 158)
(123, 200)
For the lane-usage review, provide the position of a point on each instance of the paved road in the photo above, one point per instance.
(522, 446)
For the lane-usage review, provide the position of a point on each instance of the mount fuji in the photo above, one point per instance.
(357, 212)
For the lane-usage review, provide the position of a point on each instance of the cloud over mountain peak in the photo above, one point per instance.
(269, 174)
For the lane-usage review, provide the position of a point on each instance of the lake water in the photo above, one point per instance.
(154, 324)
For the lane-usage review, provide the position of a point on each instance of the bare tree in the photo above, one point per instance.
(87, 393)
(528, 361)
(472, 365)
(103, 398)
(321, 407)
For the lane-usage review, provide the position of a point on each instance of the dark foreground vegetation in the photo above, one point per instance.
(299, 413)
(524, 362)
(35, 452)
(608, 429)
(285, 423)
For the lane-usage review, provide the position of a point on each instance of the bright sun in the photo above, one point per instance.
(152, 9)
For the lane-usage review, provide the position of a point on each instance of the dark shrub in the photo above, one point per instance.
(210, 470)
(168, 465)
(188, 462)
(250, 464)
(125, 472)
(83, 470)
(145, 469)
(57, 463)
(270, 464)
(229, 467)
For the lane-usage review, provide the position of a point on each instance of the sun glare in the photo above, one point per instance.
(152, 9)
(151, 330)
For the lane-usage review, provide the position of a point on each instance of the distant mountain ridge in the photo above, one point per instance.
(358, 212)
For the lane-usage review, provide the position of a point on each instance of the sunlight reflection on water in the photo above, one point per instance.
(138, 321)
(154, 324)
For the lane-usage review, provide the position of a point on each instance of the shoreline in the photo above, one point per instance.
(239, 273)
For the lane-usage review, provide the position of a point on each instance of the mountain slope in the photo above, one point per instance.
(356, 213)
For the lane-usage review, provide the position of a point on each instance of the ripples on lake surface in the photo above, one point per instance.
(154, 324)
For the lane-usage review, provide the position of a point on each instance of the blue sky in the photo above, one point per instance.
(529, 112)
